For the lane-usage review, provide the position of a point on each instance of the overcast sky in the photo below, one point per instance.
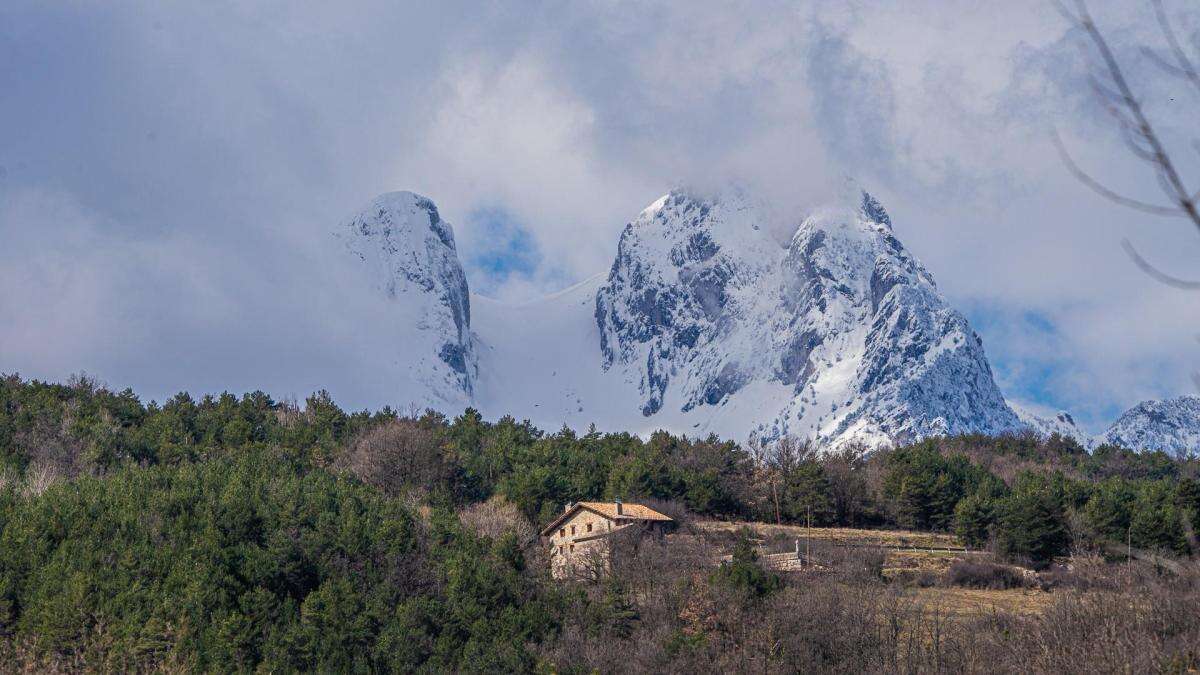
(170, 172)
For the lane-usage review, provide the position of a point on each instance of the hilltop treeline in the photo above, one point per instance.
(232, 533)
(1030, 497)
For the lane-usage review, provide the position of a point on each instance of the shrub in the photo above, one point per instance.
(496, 517)
(979, 574)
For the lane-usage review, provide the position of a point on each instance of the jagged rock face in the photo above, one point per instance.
(411, 259)
(846, 328)
(1171, 425)
(684, 284)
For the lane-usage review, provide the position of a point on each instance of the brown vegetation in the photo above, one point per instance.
(661, 611)
(841, 535)
(496, 517)
(398, 455)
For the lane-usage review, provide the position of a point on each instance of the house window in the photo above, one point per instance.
(589, 527)
(572, 548)
(562, 532)
(572, 530)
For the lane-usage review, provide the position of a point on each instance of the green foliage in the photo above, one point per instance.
(924, 486)
(1109, 510)
(1187, 498)
(249, 562)
(974, 518)
(1157, 521)
(239, 532)
(799, 485)
(1031, 523)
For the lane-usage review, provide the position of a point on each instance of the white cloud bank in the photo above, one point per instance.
(169, 173)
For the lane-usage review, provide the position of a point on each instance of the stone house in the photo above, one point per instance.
(578, 538)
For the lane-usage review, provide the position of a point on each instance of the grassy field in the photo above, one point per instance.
(972, 602)
(907, 556)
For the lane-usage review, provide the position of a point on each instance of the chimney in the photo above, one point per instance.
(618, 502)
(566, 507)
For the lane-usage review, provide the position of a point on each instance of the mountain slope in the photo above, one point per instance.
(406, 252)
(1172, 425)
(1061, 423)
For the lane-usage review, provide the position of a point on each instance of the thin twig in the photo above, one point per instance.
(1173, 183)
(1155, 273)
(1163, 64)
(1103, 191)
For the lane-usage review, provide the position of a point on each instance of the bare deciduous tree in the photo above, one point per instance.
(496, 517)
(397, 455)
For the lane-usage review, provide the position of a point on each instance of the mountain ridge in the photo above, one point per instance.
(704, 323)
(1171, 425)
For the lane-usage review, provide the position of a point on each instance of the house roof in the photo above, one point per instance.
(608, 510)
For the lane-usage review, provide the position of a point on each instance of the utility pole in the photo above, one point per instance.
(1129, 550)
(808, 535)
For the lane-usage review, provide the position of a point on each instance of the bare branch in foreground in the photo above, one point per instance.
(1099, 188)
(1155, 273)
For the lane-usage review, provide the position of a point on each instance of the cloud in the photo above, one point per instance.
(169, 174)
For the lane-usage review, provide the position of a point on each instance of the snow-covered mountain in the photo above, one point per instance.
(406, 252)
(1061, 423)
(705, 323)
(839, 335)
(1172, 425)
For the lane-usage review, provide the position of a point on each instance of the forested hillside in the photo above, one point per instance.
(233, 533)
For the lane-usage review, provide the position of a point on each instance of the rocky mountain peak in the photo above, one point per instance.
(410, 257)
(716, 316)
(843, 324)
(1061, 423)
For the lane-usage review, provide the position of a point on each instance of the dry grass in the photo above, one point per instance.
(901, 562)
(905, 554)
(975, 602)
(840, 535)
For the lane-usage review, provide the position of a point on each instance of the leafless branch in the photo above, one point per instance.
(1170, 180)
(1136, 130)
(1099, 188)
(1159, 60)
(1155, 273)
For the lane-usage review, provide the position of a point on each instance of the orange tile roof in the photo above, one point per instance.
(609, 510)
(630, 511)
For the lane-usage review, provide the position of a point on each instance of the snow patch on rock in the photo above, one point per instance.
(700, 302)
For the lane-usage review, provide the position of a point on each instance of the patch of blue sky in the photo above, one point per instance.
(1029, 359)
(503, 249)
